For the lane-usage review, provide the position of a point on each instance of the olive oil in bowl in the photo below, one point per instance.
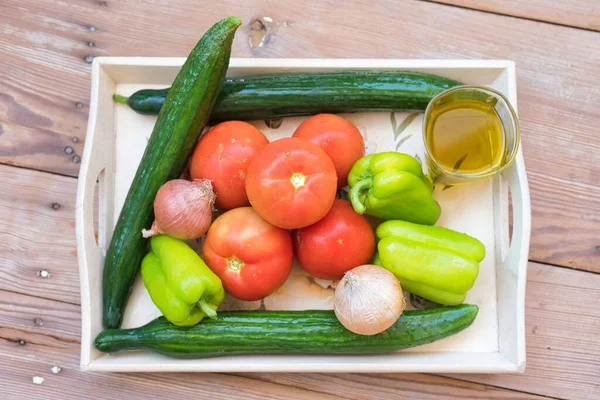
(469, 132)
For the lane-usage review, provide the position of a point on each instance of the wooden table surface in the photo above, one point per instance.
(45, 52)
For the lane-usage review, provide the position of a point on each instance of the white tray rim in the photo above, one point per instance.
(464, 363)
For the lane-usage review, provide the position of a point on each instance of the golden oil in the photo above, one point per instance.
(465, 136)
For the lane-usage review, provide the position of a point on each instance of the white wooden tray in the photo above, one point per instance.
(116, 139)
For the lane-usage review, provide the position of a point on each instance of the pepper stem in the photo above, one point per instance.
(355, 195)
(208, 310)
(120, 99)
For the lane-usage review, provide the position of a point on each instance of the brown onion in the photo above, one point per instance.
(368, 300)
(182, 209)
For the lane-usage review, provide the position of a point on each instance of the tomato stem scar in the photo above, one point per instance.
(297, 180)
(234, 264)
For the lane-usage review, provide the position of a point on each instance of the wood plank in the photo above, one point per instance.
(393, 386)
(37, 233)
(45, 74)
(20, 346)
(562, 321)
(70, 383)
(40, 316)
(583, 14)
(43, 97)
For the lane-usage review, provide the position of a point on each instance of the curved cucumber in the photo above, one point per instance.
(184, 115)
(282, 95)
(278, 332)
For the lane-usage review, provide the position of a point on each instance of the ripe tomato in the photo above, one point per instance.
(252, 257)
(342, 240)
(222, 155)
(340, 139)
(291, 183)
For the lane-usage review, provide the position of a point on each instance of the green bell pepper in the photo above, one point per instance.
(180, 284)
(392, 185)
(433, 262)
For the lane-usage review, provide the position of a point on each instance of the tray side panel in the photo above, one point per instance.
(514, 254)
(385, 363)
(97, 171)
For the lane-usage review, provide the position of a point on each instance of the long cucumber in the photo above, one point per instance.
(182, 118)
(285, 332)
(286, 94)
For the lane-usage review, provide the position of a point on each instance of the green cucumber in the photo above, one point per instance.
(289, 332)
(281, 95)
(180, 122)
(145, 101)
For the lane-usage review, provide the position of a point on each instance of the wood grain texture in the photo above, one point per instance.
(393, 386)
(40, 316)
(583, 14)
(37, 234)
(20, 346)
(70, 383)
(44, 74)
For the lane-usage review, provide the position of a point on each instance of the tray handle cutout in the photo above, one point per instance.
(520, 211)
(512, 262)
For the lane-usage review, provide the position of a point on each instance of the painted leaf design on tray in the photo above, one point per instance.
(457, 165)
(394, 123)
(404, 139)
(416, 156)
(399, 128)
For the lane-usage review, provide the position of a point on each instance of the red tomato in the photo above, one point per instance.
(252, 257)
(222, 155)
(340, 139)
(337, 243)
(291, 183)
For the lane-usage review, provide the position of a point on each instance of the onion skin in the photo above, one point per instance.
(368, 300)
(182, 209)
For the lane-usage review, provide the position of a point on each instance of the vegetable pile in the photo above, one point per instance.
(279, 202)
